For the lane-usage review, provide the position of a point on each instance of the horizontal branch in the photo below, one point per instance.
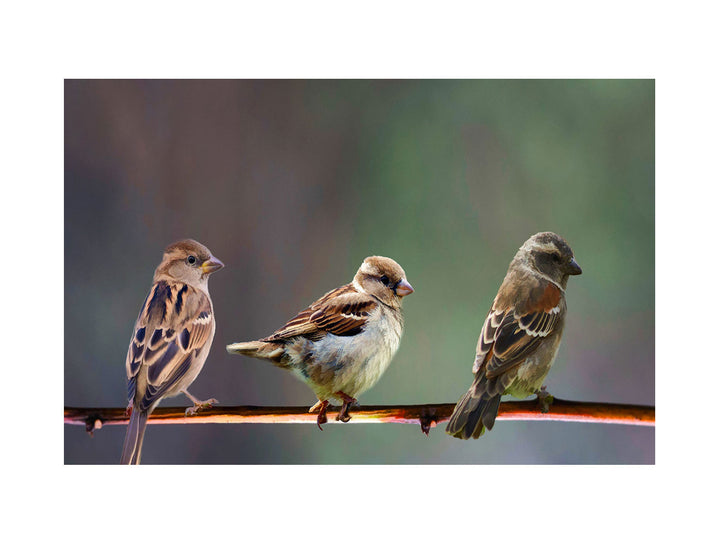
(426, 416)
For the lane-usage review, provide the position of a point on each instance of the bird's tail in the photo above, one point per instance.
(265, 350)
(476, 410)
(134, 437)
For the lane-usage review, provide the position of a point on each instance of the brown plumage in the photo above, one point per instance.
(343, 342)
(171, 338)
(521, 334)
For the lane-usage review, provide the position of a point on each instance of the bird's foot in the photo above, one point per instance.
(321, 408)
(129, 409)
(347, 402)
(545, 399)
(198, 405)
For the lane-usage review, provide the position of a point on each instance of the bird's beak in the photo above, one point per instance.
(403, 288)
(574, 268)
(213, 264)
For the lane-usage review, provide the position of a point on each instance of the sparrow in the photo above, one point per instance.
(342, 343)
(521, 334)
(171, 338)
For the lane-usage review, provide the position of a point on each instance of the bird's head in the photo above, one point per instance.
(187, 261)
(550, 255)
(384, 279)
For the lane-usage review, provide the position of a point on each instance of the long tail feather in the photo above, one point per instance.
(264, 350)
(475, 411)
(249, 348)
(134, 438)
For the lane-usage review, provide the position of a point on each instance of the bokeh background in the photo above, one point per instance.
(293, 183)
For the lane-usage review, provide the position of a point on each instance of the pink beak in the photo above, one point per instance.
(403, 288)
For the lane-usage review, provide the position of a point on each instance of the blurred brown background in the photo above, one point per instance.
(293, 183)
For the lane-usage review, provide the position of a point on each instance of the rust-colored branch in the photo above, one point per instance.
(426, 416)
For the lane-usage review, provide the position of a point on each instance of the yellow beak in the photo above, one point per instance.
(213, 264)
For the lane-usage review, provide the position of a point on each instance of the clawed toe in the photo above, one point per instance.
(321, 419)
(344, 415)
(199, 405)
(192, 411)
(320, 407)
(545, 399)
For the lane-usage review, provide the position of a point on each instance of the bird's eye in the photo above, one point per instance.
(191, 260)
(556, 257)
(385, 280)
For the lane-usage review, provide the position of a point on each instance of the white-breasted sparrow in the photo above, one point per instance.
(343, 342)
(521, 334)
(171, 339)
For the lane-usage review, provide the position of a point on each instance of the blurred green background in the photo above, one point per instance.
(293, 183)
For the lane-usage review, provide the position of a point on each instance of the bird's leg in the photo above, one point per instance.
(545, 399)
(320, 407)
(197, 404)
(347, 401)
(129, 409)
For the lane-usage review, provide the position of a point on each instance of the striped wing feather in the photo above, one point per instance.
(342, 312)
(514, 333)
(174, 325)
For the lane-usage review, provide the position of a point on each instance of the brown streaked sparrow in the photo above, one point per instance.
(521, 334)
(343, 342)
(171, 339)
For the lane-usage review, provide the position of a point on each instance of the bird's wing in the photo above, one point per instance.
(514, 332)
(173, 326)
(343, 312)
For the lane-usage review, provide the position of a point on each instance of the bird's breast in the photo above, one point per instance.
(353, 364)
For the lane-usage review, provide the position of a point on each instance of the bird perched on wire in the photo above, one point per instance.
(171, 339)
(521, 334)
(343, 342)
